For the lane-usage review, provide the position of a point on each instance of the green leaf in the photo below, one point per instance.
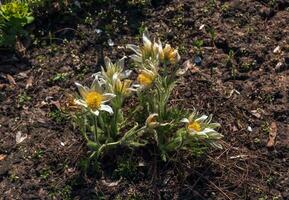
(29, 19)
(92, 145)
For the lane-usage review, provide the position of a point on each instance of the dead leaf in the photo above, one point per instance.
(111, 184)
(256, 113)
(2, 157)
(187, 65)
(20, 47)
(272, 135)
(29, 82)
(11, 79)
(19, 137)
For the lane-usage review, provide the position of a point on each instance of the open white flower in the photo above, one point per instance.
(201, 126)
(94, 98)
(113, 70)
(149, 50)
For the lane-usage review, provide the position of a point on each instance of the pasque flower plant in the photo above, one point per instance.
(104, 124)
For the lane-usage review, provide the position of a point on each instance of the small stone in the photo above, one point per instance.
(98, 31)
(188, 94)
(110, 42)
(277, 50)
(198, 60)
(249, 129)
(202, 26)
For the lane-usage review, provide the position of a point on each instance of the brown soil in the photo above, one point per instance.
(47, 164)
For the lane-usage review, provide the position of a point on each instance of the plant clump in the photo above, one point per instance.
(14, 16)
(98, 111)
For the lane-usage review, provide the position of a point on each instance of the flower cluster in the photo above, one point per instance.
(151, 50)
(104, 124)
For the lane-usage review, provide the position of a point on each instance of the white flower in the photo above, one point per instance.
(149, 50)
(93, 98)
(153, 51)
(201, 126)
(113, 70)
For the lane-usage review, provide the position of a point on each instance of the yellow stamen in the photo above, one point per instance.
(169, 54)
(145, 79)
(195, 126)
(93, 100)
(151, 121)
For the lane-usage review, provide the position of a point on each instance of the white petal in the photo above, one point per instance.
(82, 90)
(108, 96)
(136, 58)
(97, 74)
(134, 48)
(96, 84)
(192, 116)
(106, 108)
(125, 74)
(202, 118)
(209, 119)
(146, 40)
(214, 125)
(207, 131)
(115, 76)
(96, 112)
(215, 135)
(217, 145)
(135, 86)
(80, 102)
(107, 62)
(185, 120)
(120, 62)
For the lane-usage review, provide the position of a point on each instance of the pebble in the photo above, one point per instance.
(249, 129)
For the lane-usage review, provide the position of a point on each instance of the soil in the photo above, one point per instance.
(246, 94)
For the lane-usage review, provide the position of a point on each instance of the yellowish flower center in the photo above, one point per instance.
(151, 121)
(170, 55)
(195, 126)
(145, 79)
(93, 100)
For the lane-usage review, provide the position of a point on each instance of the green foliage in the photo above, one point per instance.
(198, 45)
(230, 63)
(13, 17)
(59, 77)
(126, 168)
(57, 116)
(23, 98)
